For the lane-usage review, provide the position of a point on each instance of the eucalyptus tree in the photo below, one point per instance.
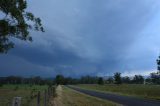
(16, 22)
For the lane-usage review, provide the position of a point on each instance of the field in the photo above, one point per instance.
(7, 92)
(68, 97)
(65, 96)
(137, 90)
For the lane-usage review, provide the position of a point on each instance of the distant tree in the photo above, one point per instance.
(155, 78)
(110, 80)
(148, 80)
(100, 81)
(88, 80)
(70, 80)
(37, 80)
(117, 78)
(126, 80)
(138, 79)
(59, 79)
(158, 64)
(16, 22)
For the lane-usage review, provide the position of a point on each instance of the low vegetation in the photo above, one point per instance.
(138, 90)
(27, 92)
(69, 97)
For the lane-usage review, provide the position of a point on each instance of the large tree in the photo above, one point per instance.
(16, 22)
(117, 78)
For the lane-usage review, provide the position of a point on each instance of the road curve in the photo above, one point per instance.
(124, 100)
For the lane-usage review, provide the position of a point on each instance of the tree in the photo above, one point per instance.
(148, 80)
(117, 78)
(155, 78)
(15, 23)
(100, 81)
(110, 80)
(158, 65)
(88, 80)
(59, 79)
(138, 79)
(126, 80)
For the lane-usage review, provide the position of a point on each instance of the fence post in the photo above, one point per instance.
(16, 101)
(49, 92)
(45, 98)
(38, 98)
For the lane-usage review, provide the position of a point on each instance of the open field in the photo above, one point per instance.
(7, 92)
(137, 90)
(69, 97)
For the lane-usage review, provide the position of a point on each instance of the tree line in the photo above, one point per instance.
(154, 78)
(37, 80)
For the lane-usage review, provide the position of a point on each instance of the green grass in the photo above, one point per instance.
(71, 97)
(137, 90)
(7, 92)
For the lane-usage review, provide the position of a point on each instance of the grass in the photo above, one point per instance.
(137, 90)
(7, 92)
(69, 97)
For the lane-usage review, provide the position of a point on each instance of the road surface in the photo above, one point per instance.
(124, 100)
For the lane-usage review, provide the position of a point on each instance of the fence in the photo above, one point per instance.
(36, 98)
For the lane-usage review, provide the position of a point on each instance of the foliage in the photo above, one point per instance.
(110, 80)
(100, 81)
(59, 79)
(117, 78)
(126, 80)
(70, 80)
(16, 23)
(155, 78)
(20, 80)
(138, 79)
(88, 80)
(7, 93)
(158, 63)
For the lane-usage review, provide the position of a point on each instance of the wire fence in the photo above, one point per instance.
(35, 98)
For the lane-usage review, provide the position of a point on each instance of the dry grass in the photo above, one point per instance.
(7, 92)
(137, 90)
(68, 97)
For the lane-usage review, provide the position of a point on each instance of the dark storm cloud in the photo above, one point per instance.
(84, 37)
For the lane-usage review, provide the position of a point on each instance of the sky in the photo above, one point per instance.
(88, 37)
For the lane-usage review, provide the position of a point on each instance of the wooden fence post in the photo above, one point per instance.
(49, 92)
(38, 98)
(45, 98)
